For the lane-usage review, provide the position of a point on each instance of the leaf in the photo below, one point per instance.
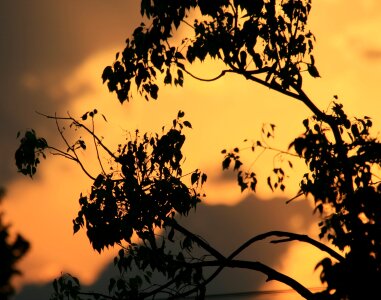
(194, 177)
(269, 183)
(203, 178)
(313, 71)
(154, 91)
(242, 59)
(179, 55)
(98, 181)
(355, 131)
(237, 164)
(84, 116)
(168, 77)
(187, 124)
(226, 163)
(180, 114)
(82, 144)
(107, 73)
(76, 227)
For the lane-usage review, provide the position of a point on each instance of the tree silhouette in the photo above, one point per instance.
(143, 188)
(10, 253)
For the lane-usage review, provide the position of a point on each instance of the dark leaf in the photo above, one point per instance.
(313, 71)
(226, 163)
(194, 177)
(180, 114)
(84, 116)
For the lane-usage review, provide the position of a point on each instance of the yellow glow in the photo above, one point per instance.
(222, 113)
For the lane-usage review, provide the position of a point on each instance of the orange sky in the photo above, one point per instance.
(223, 114)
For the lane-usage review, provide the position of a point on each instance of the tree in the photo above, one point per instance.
(143, 190)
(10, 253)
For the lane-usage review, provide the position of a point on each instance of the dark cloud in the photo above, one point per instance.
(372, 54)
(42, 41)
(226, 228)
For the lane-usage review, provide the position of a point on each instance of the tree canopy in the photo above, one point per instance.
(143, 189)
(12, 249)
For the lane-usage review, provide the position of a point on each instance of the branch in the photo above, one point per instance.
(95, 295)
(251, 72)
(82, 126)
(204, 79)
(341, 149)
(96, 146)
(227, 262)
(198, 240)
(70, 157)
(290, 237)
(75, 157)
(271, 273)
(157, 290)
(271, 86)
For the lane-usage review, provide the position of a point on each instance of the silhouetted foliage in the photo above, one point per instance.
(142, 192)
(11, 251)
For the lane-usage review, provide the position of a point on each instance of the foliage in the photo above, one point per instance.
(28, 154)
(11, 251)
(142, 192)
(249, 37)
(267, 42)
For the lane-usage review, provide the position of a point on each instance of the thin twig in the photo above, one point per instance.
(75, 157)
(96, 147)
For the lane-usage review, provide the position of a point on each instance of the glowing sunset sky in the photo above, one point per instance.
(52, 57)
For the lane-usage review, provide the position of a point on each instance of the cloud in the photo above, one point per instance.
(42, 42)
(227, 227)
(52, 58)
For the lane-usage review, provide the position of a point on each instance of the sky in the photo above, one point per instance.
(52, 56)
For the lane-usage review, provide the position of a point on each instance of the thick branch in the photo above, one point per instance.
(301, 96)
(256, 266)
(251, 72)
(290, 237)
(231, 263)
(341, 149)
(198, 240)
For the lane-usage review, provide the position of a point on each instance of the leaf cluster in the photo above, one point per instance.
(265, 41)
(143, 191)
(251, 37)
(11, 251)
(343, 181)
(29, 152)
